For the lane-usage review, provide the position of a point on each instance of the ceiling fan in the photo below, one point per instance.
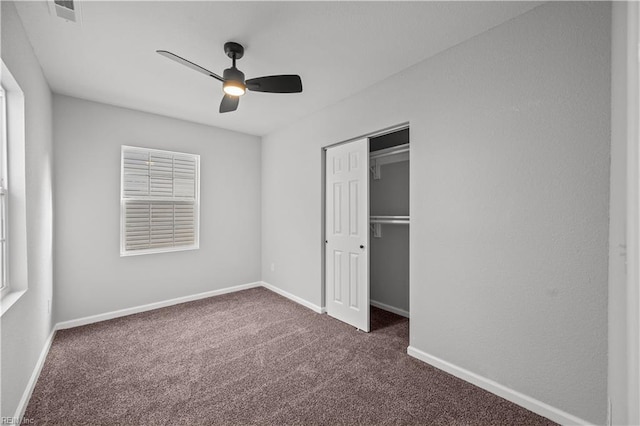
(233, 83)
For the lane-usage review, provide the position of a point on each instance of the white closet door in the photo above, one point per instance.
(347, 233)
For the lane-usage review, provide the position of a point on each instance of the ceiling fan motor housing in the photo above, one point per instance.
(233, 74)
(233, 82)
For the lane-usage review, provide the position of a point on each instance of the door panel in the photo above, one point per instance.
(354, 269)
(337, 205)
(347, 234)
(337, 276)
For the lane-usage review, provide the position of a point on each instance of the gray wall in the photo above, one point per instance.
(509, 201)
(90, 276)
(389, 255)
(27, 324)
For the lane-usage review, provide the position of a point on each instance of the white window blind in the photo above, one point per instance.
(159, 201)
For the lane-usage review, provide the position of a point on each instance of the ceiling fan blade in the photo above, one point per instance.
(189, 64)
(276, 84)
(229, 103)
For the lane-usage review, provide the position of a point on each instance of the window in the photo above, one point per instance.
(14, 277)
(4, 285)
(159, 202)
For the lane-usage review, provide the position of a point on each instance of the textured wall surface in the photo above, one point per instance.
(509, 201)
(90, 276)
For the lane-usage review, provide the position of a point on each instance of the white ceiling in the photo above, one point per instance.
(338, 48)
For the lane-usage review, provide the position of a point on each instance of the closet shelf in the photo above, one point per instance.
(376, 222)
(394, 154)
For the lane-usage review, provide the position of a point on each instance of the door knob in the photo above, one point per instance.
(361, 246)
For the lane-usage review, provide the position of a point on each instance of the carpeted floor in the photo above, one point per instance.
(252, 357)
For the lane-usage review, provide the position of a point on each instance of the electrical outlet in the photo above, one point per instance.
(273, 267)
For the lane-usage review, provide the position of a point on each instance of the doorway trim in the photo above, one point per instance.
(323, 189)
(633, 212)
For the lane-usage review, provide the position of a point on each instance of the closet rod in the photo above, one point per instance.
(401, 220)
(376, 222)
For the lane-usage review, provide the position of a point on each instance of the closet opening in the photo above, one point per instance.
(366, 215)
(389, 222)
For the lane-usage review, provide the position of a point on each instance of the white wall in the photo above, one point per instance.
(90, 276)
(509, 201)
(27, 324)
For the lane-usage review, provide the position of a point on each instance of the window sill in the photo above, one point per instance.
(9, 300)
(154, 251)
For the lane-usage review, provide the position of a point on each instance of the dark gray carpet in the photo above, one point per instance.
(252, 357)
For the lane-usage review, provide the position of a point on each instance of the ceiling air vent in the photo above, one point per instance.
(65, 9)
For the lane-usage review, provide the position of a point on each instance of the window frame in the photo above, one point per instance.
(174, 200)
(17, 271)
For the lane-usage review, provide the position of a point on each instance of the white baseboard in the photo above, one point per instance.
(496, 388)
(137, 309)
(295, 298)
(31, 384)
(389, 308)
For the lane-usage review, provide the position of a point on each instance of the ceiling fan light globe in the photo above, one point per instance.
(233, 88)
